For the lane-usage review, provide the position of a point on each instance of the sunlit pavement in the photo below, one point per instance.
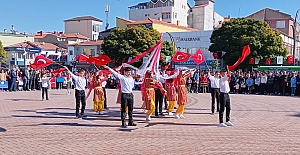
(263, 125)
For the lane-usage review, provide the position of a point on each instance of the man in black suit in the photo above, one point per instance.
(13, 76)
(26, 78)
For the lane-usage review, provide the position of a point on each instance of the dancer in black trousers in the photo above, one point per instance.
(79, 84)
(214, 83)
(127, 84)
(224, 99)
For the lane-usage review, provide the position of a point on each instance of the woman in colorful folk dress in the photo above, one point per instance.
(171, 92)
(149, 94)
(182, 98)
(96, 84)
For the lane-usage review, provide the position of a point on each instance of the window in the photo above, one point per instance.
(20, 55)
(71, 52)
(96, 28)
(93, 52)
(175, 15)
(168, 15)
(280, 24)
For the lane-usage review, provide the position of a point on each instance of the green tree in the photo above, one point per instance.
(130, 42)
(3, 53)
(236, 33)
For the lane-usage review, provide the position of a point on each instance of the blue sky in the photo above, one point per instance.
(34, 15)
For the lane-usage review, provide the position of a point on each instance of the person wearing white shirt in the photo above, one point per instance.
(79, 84)
(263, 83)
(127, 84)
(224, 98)
(214, 83)
(45, 84)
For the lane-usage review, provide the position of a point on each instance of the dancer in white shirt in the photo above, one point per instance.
(224, 99)
(214, 83)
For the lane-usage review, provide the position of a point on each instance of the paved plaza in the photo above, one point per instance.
(263, 125)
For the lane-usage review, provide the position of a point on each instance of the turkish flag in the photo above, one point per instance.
(101, 60)
(268, 61)
(41, 62)
(198, 57)
(181, 56)
(59, 70)
(83, 58)
(290, 60)
(245, 53)
(251, 61)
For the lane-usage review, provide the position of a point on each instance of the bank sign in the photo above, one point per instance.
(188, 39)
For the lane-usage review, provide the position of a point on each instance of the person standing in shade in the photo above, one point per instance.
(79, 84)
(224, 98)
(45, 86)
(127, 84)
(214, 83)
(13, 76)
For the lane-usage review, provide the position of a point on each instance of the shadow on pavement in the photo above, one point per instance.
(296, 115)
(76, 124)
(23, 100)
(178, 124)
(2, 129)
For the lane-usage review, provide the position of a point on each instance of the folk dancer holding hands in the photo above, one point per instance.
(224, 98)
(182, 98)
(127, 84)
(79, 84)
(214, 83)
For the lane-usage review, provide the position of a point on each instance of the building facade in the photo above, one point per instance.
(170, 11)
(60, 39)
(87, 48)
(17, 57)
(190, 42)
(87, 25)
(13, 38)
(282, 22)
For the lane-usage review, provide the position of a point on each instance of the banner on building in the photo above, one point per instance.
(257, 61)
(280, 60)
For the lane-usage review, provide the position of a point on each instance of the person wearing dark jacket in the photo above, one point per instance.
(270, 83)
(13, 76)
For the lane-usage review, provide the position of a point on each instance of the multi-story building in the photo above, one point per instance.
(59, 38)
(87, 25)
(171, 11)
(282, 22)
(203, 17)
(16, 53)
(87, 48)
(13, 38)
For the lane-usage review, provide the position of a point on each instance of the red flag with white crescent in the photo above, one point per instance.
(198, 57)
(181, 56)
(41, 62)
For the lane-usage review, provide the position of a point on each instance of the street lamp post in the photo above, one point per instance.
(295, 34)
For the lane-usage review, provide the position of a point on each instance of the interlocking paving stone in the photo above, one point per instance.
(263, 125)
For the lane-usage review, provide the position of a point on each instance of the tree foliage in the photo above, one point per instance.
(3, 53)
(236, 33)
(130, 42)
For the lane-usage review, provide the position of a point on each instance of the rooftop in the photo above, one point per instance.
(88, 43)
(42, 45)
(41, 35)
(83, 18)
(151, 20)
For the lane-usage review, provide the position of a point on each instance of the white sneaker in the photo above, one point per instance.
(181, 116)
(170, 113)
(222, 125)
(177, 116)
(229, 123)
(148, 118)
(101, 113)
